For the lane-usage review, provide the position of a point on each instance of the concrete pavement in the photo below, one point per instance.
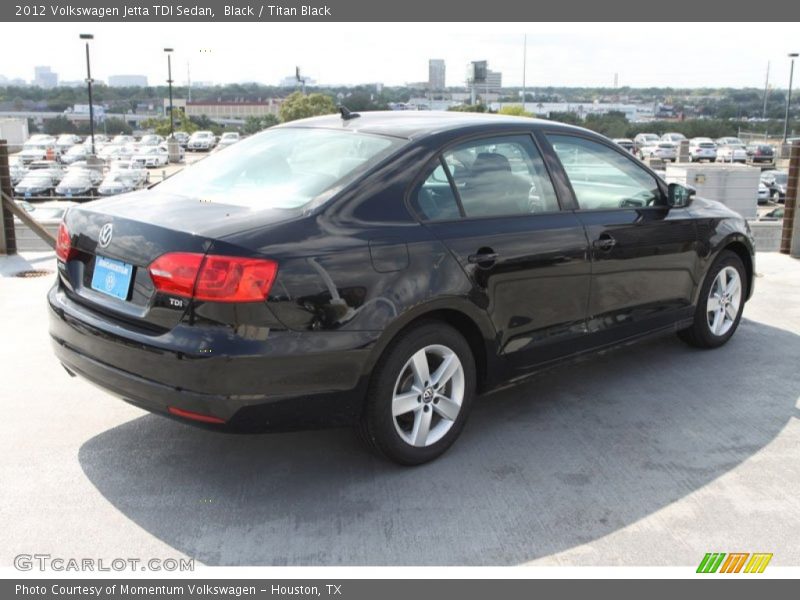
(648, 455)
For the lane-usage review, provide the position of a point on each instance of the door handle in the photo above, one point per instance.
(605, 242)
(483, 258)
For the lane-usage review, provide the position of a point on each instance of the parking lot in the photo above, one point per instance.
(651, 455)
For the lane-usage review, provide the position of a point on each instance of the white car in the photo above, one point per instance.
(202, 140)
(150, 140)
(38, 150)
(118, 182)
(47, 213)
(763, 193)
(115, 151)
(123, 139)
(100, 140)
(17, 169)
(67, 141)
(644, 139)
(151, 156)
(228, 139)
(702, 148)
(75, 153)
(131, 170)
(675, 138)
(96, 175)
(663, 150)
(731, 153)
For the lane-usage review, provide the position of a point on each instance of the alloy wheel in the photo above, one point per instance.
(428, 395)
(724, 299)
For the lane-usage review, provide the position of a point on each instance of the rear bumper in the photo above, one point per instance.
(287, 381)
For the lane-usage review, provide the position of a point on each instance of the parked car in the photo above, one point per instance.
(138, 174)
(702, 148)
(621, 142)
(760, 153)
(17, 169)
(776, 181)
(34, 184)
(67, 141)
(100, 141)
(182, 137)
(663, 150)
(675, 138)
(81, 167)
(151, 156)
(763, 193)
(164, 147)
(117, 182)
(467, 263)
(201, 140)
(40, 149)
(76, 184)
(729, 141)
(731, 153)
(47, 213)
(775, 214)
(151, 140)
(75, 153)
(50, 167)
(123, 140)
(116, 151)
(643, 139)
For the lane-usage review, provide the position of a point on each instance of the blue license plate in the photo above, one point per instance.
(27, 194)
(69, 194)
(112, 277)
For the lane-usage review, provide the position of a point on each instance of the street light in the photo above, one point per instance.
(87, 37)
(792, 55)
(169, 81)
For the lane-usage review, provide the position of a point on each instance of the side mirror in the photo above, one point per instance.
(679, 196)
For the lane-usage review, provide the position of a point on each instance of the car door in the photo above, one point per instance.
(644, 254)
(492, 203)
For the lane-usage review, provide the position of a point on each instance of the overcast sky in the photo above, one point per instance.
(570, 54)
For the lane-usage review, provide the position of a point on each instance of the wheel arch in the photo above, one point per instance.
(464, 317)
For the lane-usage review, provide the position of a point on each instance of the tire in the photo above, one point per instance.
(395, 386)
(713, 330)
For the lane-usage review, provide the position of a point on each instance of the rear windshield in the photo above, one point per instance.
(282, 168)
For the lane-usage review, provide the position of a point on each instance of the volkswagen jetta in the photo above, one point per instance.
(380, 270)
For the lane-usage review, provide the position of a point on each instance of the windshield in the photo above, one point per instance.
(282, 168)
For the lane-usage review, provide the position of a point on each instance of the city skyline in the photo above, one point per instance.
(561, 55)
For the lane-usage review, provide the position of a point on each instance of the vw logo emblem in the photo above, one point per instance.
(105, 235)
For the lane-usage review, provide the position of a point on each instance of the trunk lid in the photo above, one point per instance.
(118, 238)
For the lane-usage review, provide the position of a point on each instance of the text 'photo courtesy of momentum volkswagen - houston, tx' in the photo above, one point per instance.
(380, 270)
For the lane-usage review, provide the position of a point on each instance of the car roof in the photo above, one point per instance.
(423, 123)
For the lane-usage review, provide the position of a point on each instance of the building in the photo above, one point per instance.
(436, 74)
(127, 81)
(494, 80)
(219, 110)
(43, 77)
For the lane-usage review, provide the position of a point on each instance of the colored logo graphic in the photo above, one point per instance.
(734, 562)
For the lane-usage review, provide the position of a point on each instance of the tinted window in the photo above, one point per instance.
(601, 177)
(435, 200)
(282, 167)
(501, 176)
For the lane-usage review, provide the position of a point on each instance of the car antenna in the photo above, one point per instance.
(347, 114)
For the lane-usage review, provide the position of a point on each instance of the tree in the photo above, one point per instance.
(479, 108)
(256, 124)
(298, 106)
(160, 125)
(58, 125)
(514, 110)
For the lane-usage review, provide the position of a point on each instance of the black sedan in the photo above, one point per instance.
(380, 270)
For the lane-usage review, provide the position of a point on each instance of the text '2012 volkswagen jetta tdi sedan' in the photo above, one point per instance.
(381, 269)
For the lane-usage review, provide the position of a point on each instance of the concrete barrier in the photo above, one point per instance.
(767, 235)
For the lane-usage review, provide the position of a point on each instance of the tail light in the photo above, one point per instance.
(213, 278)
(64, 249)
(194, 416)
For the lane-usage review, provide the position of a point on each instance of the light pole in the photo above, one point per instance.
(792, 56)
(169, 81)
(87, 37)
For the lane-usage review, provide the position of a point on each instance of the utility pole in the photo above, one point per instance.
(766, 94)
(524, 67)
(188, 82)
(792, 56)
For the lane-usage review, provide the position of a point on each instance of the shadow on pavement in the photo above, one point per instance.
(575, 454)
